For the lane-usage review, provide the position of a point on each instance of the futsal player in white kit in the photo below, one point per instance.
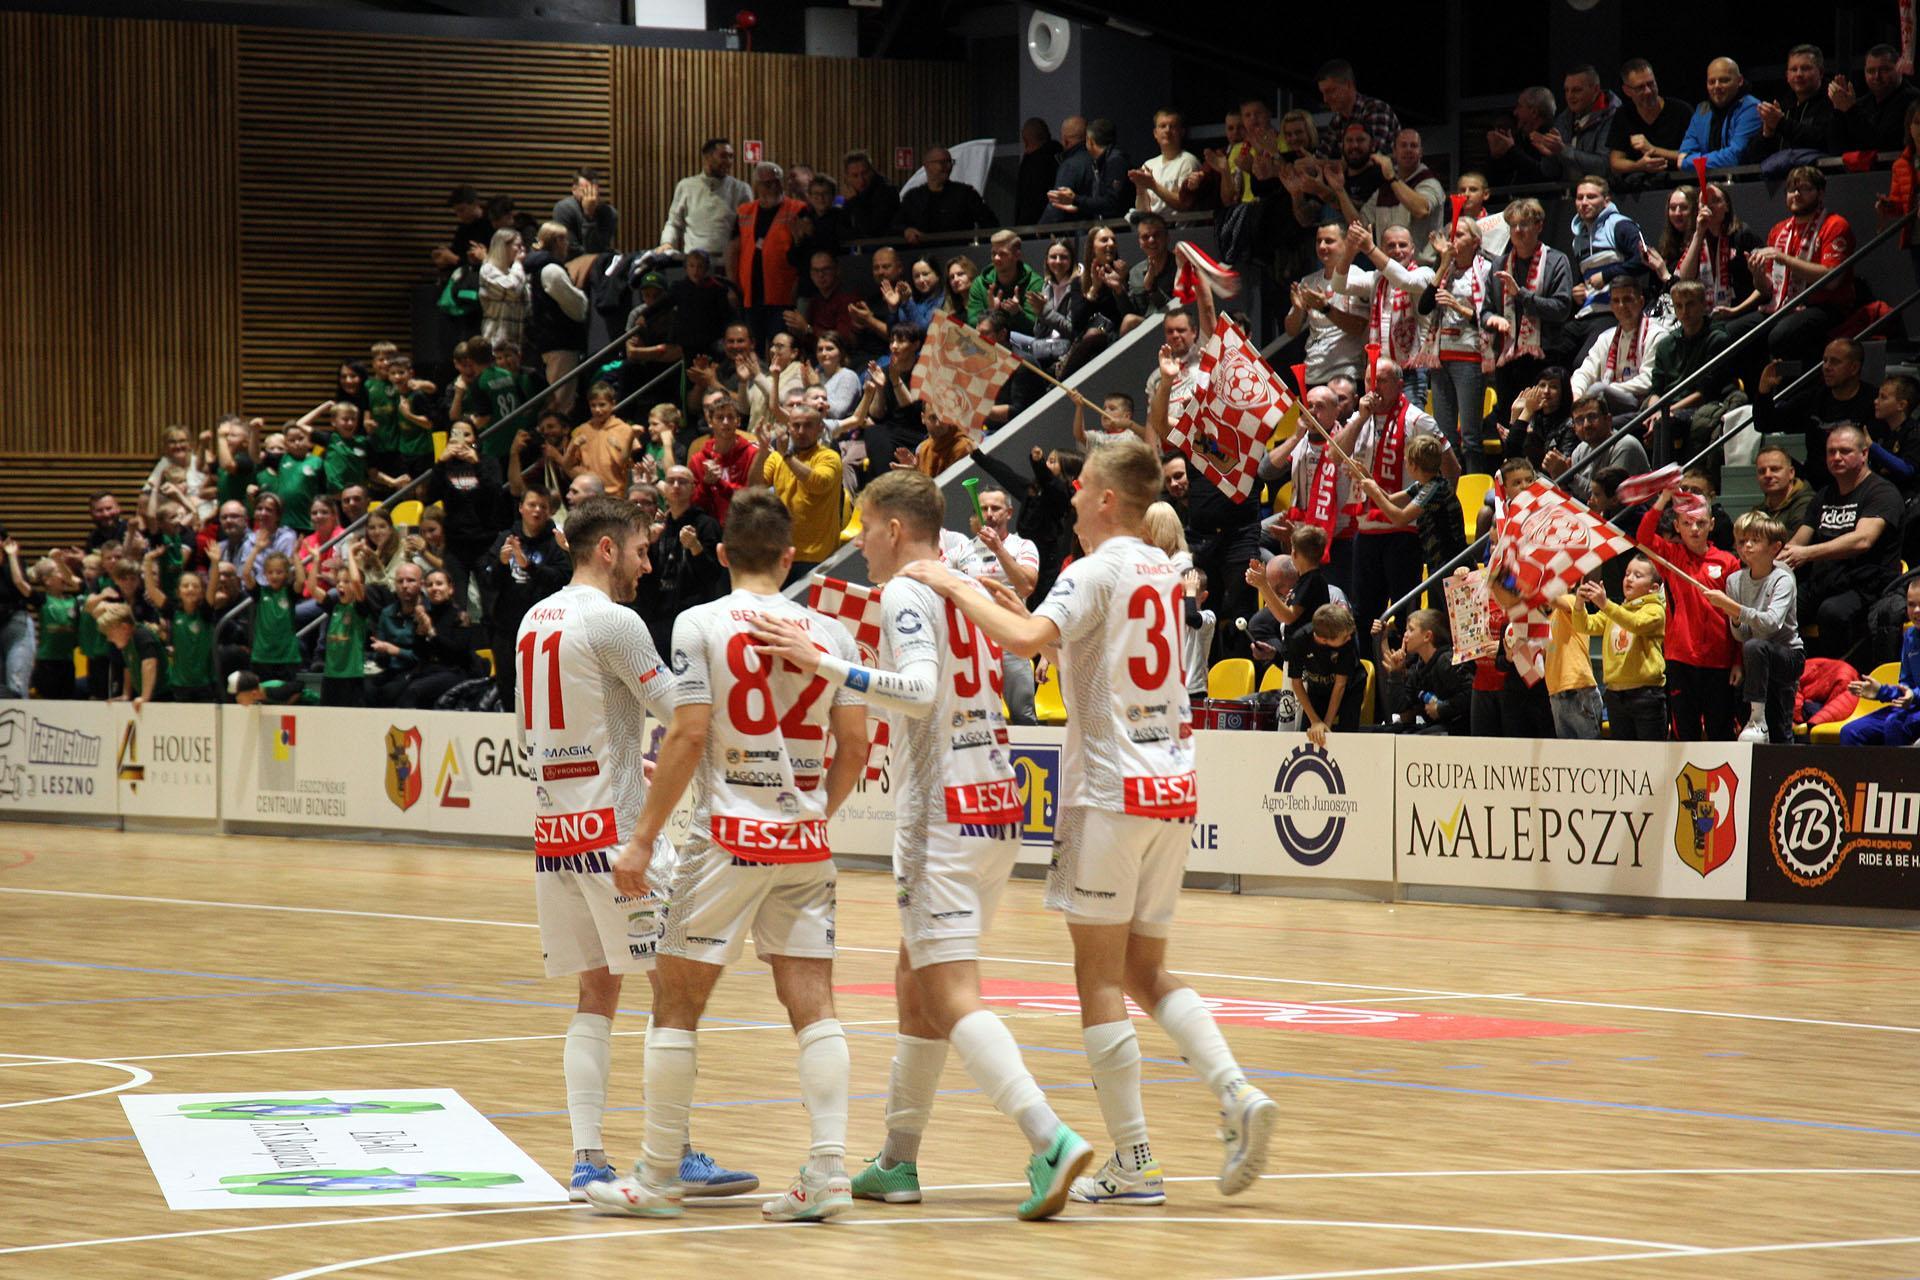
(1121, 839)
(587, 673)
(751, 734)
(955, 841)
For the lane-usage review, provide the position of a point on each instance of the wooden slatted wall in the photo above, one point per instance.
(666, 102)
(197, 218)
(349, 144)
(119, 309)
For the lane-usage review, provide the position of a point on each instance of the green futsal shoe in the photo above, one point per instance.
(898, 1185)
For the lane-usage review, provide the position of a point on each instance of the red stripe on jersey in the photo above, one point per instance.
(758, 841)
(1172, 797)
(988, 803)
(556, 835)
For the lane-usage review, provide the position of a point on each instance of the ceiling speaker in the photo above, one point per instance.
(1048, 38)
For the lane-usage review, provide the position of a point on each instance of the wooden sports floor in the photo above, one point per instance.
(1468, 1092)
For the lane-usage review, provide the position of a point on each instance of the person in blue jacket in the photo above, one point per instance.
(1726, 127)
(1898, 723)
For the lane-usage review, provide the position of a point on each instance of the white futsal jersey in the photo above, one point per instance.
(1129, 727)
(954, 764)
(587, 672)
(757, 793)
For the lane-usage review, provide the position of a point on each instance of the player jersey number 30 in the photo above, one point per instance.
(1154, 668)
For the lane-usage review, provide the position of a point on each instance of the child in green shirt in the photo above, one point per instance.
(276, 651)
(343, 680)
(145, 656)
(58, 617)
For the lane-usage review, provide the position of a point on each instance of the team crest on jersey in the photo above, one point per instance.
(403, 766)
(789, 803)
(908, 622)
(680, 662)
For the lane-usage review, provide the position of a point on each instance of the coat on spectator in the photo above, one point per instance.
(1585, 137)
(1871, 125)
(1610, 247)
(871, 212)
(779, 276)
(1727, 136)
(596, 234)
(954, 207)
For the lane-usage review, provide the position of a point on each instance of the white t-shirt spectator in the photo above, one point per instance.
(978, 560)
(1169, 174)
(1330, 349)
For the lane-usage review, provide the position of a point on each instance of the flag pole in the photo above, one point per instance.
(1670, 566)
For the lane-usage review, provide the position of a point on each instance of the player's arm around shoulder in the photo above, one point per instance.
(1004, 616)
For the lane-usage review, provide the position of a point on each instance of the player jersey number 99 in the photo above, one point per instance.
(1149, 671)
(971, 650)
(546, 644)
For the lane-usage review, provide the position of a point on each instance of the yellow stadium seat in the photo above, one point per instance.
(1366, 694)
(488, 655)
(1488, 403)
(79, 665)
(407, 513)
(1885, 673)
(439, 444)
(852, 528)
(1230, 678)
(1049, 707)
(1472, 491)
(1284, 499)
(1276, 678)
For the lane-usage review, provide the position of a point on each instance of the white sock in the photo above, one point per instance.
(1113, 1053)
(672, 1066)
(1183, 1016)
(987, 1050)
(824, 1069)
(917, 1064)
(1756, 715)
(585, 1062)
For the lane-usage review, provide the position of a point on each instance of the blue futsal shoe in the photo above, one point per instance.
(700, 1176)
(584, 1173)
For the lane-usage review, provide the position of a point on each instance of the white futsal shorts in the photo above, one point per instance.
(586, 923)
(1116, 868)
(718, 899)
(949, 890)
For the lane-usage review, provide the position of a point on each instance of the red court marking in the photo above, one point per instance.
(1290, 1015)
(20, 861)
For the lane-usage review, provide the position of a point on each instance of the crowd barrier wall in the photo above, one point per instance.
(1661, 827)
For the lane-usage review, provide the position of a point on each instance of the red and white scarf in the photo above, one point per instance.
(1796, 242)
(1322, 498)
(1633, 358)
(1392, 322)
(1469, 282)
(1389, 465)
(1716, 270)
(1524, 326)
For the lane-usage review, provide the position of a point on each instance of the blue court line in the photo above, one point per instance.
(344, 988)
(211, 995)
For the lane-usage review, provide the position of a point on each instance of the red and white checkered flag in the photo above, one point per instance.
(858, 609)
(1237, 401)
(958, 374)
(1546, 545)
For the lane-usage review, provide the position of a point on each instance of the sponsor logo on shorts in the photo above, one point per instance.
(985, 802)
(1102, 894)
(706, 942)
(1152, 733)
(951, 915)
(759, 841)
(558, 834)
(573, 769)
(1176, 796)
(754, 778)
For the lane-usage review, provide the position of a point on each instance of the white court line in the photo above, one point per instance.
(1663, 1250)
(390, 1044)
(1356, 1175)
(135, 1078)
(1068, 964)
(1689, 1254)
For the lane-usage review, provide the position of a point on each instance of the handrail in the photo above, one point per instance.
(516, 415)
(1677, 177)
(1646, 411)
(980, 235)
(1806, 375)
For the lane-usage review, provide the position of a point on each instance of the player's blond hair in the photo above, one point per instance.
(911, 497)
(113, 615)
(1128, 467)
